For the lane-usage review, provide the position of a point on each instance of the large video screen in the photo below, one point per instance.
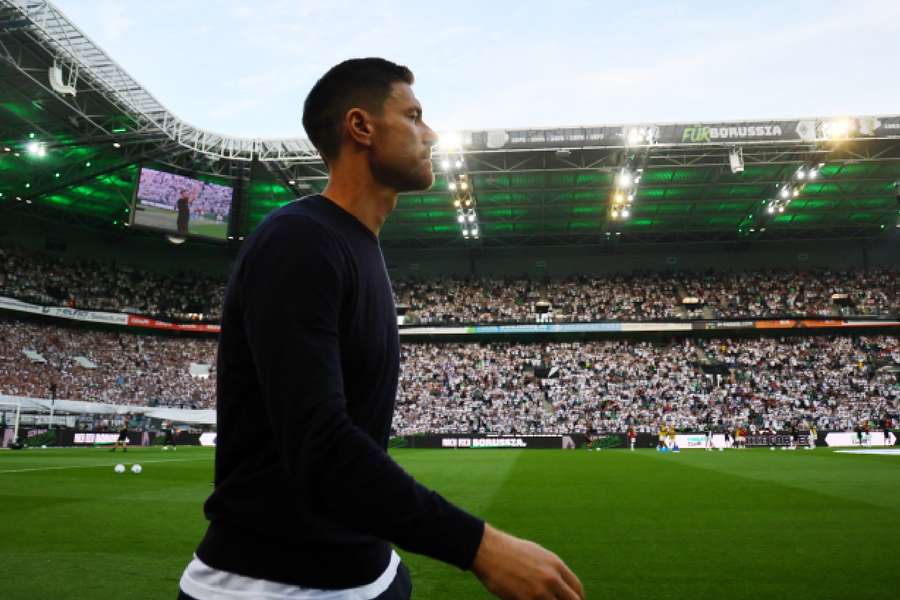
(181, 205)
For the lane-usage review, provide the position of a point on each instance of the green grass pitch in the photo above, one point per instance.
(158, 218)
(736, 524)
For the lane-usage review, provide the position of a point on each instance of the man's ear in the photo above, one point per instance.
(359, 126)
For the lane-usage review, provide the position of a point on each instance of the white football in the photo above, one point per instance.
(136, 469)
(119, 469)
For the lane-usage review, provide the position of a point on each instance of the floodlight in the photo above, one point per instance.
(781, 209)
(475, 231)
(450, 140)
(625, 213)
(461, 218)
(452, 186)
(459, 164)
(619, 197)
(471, 217)
(615, 214)
(36, 149)
(465, 233)
(445, 164)
(464, 185)
(795, 193)
(813, 173)
(117, 145)
(801, 174)
(785, 192)
(457, 203)
(771, 209)
(624, 179)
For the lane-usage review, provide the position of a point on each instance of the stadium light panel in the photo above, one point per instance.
(459, 164)
(117, 145)
(452, 186)
(461, 218)
(771, 209)
(445, 164)
(464, 185)
(88, 164)
(785, 192)
(465, 232)
(625, 213)
(471, 217)
(7, 149)
(475, 231)
(813, 173)
(624, 179)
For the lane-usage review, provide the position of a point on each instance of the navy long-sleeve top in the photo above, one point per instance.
(309, 358)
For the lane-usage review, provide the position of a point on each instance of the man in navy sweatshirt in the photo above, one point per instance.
(307, 499)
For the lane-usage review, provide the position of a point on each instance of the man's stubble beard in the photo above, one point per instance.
(400, 179)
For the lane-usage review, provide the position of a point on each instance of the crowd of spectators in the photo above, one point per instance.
(128, 368)
(105, 285)
(652, 296)
(833, 382)
(44, 279)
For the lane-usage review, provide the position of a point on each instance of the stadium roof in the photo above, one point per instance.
(76, 156)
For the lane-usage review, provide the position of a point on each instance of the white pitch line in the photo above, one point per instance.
(144, 462)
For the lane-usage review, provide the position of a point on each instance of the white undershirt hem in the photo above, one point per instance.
(206, 583)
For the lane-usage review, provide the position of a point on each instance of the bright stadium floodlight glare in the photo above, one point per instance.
(461, 218)
(619, 197)
(615, 214)
(624, 179)
(457, 203)
(450, 140)
(465, 233)
(445, 164)
(625, 213)
(452, 186)
(795, 193)
(837, 128)
(801, 174)
(813, 173)
(771, 209)
(781, 209)
(463, 186)
(36, 149)
(458, 164)
(785, 192)
(471, 217)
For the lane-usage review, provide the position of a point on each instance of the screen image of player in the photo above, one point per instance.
(181, 205)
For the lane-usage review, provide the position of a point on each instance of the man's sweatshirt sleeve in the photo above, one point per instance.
(293, 285)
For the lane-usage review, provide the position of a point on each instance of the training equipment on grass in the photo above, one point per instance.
(136, 469)
(119, 468)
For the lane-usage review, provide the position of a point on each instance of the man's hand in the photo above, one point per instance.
(516, 569)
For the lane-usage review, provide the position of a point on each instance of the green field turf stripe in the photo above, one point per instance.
(858, 478)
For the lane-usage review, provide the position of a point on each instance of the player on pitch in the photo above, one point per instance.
(306, 499)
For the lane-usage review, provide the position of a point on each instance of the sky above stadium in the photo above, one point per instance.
(243, 67)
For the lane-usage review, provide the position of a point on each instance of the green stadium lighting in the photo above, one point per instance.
(31, 135)
(88, 164)
(27, 185)
(56, 175)
(119, 130)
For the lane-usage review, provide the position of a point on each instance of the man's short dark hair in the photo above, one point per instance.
(358, 82)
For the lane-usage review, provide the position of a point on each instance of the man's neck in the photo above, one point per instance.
(361, 196)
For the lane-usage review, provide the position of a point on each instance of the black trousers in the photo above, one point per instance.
(400, 588)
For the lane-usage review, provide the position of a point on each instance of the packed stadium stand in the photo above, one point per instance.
(638, 242)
